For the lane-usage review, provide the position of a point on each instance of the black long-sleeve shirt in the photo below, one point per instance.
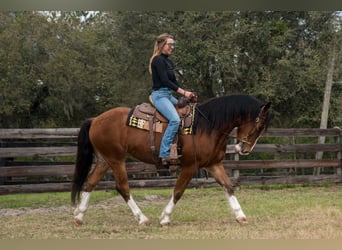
(163, 74)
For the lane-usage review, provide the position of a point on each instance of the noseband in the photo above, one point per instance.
(250, 132)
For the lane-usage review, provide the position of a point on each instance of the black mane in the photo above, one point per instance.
(217, 113)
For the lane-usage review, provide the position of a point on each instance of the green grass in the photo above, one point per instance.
(63, 198)
(46, 199)
(274, 212)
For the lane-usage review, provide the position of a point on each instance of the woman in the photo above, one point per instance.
(164, 82)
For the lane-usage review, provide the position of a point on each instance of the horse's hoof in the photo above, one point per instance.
(78, 222)
(165, 224)
(145, 223)
(242, 221)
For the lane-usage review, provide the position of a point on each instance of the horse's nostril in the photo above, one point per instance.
(244, 152)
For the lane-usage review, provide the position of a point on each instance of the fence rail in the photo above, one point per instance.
(41, 160)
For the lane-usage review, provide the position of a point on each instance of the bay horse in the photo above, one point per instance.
(109, 138)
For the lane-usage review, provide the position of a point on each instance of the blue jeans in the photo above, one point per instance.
(165, 103)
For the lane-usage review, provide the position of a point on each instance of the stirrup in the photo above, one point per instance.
(172, 164)
(167, 161)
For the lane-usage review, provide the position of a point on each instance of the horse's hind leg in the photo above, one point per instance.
(121, 183)
(218, 172)
(93, 179)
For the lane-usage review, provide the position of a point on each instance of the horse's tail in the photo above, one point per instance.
(84, 161)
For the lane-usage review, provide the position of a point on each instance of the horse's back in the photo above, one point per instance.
(111, 136)
(109, 128)
(115, 116)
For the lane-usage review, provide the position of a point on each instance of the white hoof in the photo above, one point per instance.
(77, 222)
(78, 219)
(165, 220)
(145, 223)
(242, 220)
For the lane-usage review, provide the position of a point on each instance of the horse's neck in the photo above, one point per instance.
(220, 138)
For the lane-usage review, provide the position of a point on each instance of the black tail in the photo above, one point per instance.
(83, 162)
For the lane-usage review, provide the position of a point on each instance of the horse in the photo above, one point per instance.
(108, 137)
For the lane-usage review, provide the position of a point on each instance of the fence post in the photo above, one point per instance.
(236, 172)
(2, 164)
(339, 153)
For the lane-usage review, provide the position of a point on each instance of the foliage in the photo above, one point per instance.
(59, 68)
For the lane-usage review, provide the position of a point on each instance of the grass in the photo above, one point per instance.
(274, 212)
(47, 199)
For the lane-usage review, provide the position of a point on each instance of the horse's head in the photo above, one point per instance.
(248, 133)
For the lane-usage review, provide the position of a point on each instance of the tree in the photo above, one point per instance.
(58, 68)
(327, 91)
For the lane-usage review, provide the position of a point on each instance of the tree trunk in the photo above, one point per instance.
(326, 104)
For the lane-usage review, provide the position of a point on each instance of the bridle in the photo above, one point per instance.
(252, 130)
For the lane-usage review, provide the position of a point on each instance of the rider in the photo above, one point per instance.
(164, 82)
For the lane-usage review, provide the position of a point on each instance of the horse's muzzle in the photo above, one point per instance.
(239, 148)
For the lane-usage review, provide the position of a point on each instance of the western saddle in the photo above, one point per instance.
(146, 116)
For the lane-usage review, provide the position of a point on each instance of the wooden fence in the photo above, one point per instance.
(42, 160)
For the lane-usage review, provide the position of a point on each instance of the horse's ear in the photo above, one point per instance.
(264, 108)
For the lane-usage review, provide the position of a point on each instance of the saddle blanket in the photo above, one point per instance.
(140, 116)
(141, 123)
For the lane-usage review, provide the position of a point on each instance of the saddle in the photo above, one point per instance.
(146, 116)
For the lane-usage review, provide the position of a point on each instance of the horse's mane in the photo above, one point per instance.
(217, 113)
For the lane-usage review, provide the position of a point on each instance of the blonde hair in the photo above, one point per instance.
(158, 46)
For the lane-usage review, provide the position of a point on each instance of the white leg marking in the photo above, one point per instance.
(235, 206)
(165, 217)
(82, 207)
(137, 212)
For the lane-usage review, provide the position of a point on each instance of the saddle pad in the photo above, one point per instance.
(141, 123)
(140, 115)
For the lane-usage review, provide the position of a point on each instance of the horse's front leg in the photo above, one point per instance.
(97, 174)
(220, 175)
(181, 184)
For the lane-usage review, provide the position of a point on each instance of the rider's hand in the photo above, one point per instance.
(191, 95)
